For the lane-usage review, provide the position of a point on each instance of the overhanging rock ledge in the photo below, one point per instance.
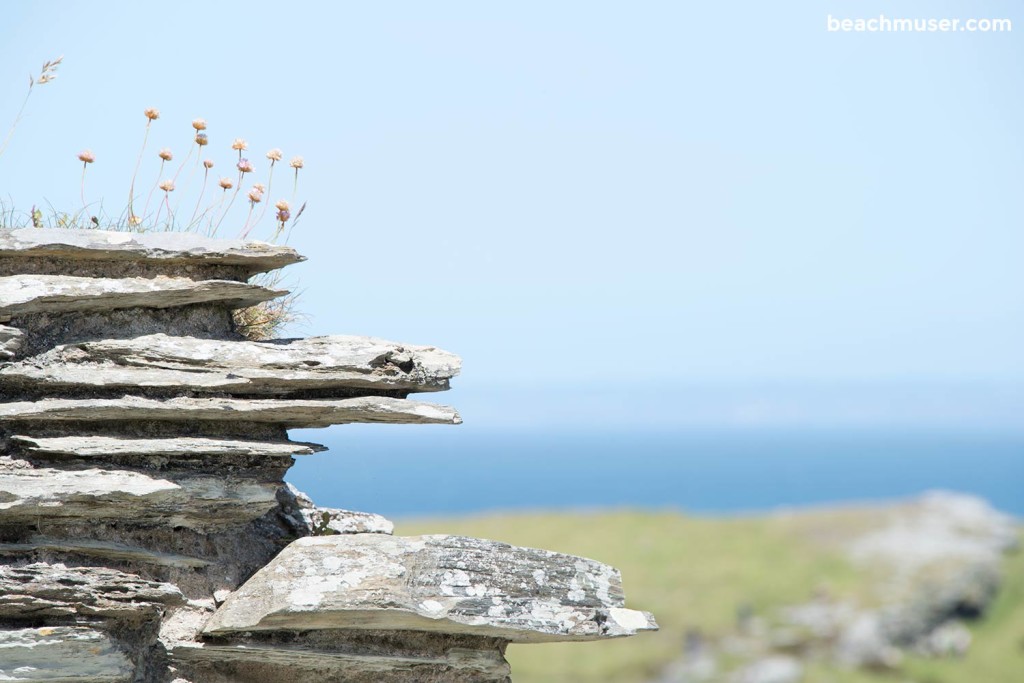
(146, 531)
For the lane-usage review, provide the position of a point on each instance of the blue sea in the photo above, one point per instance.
(426, 470)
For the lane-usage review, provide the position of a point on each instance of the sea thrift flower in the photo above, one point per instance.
(208, 164)
(283, 215)
(297, 163)
(239, 144)
(199, 124)
(201, 139)
(165, 154)
(152, 114)
(274, 154)
(226, 183)
(86, 156)
(167, 185)
(282, 205)
(134, 220)
(244, 166)
(260, 187)
(255, 195)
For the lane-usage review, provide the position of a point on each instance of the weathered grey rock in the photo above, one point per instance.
(110, 550)
(26, 294)
(11, 341)
(288, 412)
(941, 555)
(456, 665)
(165, 455)
(53, 590)
(864, 643)
(321, 521)
(448, 584)
(776, 669)
(951, 639)
(246, 367)
(103, 245)
(28, 493)
(62, 654)
(111, 446)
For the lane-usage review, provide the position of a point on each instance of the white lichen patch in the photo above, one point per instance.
(449, 584)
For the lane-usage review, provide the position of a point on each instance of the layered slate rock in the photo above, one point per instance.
(112, 446)
(53, 590)
(24, 294)
(11, 340)
(322, 364)
(29, 493)
(286, 412)
(68, 654)
(448, 584)
(353, 657)
(40, 246)
(143, 447)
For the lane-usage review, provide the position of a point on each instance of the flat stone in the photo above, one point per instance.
(247, 367)
(457, 665)
(62, 654)
(111, 550)
(289, 413)
(28, 493)
(447, 584)
(111, 446)
(178, 247)
(11, 341)
(54, 590)
(321, 521)
(25, 294)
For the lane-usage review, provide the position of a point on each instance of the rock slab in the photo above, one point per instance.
(449, 584)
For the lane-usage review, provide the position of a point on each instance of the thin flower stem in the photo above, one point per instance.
(85, 209)
(159, 208)
(138, 162)
(184, 189)
(145, 210)
(238, 187)
(17, 119)
(170, 214)
(245, 228)
(192, 221)
(270, 182)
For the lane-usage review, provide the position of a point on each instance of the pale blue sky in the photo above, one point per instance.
(646, 195)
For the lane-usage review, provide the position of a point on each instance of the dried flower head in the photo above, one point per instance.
(283, 215)
(152, 113)
(86, 156)
(282, 205)
(239, 144)
(167, 185)
(46, 74)
(165, 154)
(134, 220)
(255, 195)
(201, 139)
(244, 166)
(199, 124)
(275, 154)
(259, 186)
(297, 162)
(226, 183)
(208, 164)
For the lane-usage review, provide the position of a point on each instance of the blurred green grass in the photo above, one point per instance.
(695, 573)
